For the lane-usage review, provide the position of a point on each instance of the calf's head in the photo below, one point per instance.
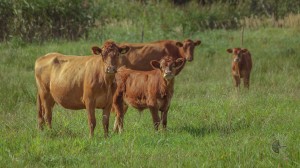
(188, 47)
(168, 66)
(110, 54)
(237, 54)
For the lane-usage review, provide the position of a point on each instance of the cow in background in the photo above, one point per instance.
(140, 54)
(241, 65)
(78, 82)
(146, 89)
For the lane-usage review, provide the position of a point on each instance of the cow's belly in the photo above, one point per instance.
(139, 104)
(67, 95)
(69, 99)
(103, 100)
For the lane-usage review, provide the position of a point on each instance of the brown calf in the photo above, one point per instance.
(140, 54)
(241, 65)
(78, 82)
(146, 89)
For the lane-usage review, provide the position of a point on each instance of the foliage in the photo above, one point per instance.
(39, 20)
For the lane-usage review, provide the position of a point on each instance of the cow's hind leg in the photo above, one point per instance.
(41, 111)
(47, 105)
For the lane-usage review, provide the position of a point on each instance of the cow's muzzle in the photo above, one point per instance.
(236, 60)
(111, 70)
(168, 75)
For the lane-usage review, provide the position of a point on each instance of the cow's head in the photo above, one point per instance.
(237, 54)
(188, 48)
(110, 54)
(168, 66)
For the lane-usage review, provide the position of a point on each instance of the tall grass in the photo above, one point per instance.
(209, 123)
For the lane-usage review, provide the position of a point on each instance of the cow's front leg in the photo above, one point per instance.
(246, 81)
(164, 118)
(155, 117)
(237, 81)
(105, 119)
(90, 107)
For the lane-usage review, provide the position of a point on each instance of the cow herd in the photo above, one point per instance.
(140, 75)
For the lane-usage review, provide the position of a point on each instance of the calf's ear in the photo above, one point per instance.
(155, 64)
(198, 42)
(179, 44)
(229, 50)
(179, 63)
(123, 49)
(96, 50)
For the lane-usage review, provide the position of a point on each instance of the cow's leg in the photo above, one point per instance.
(118, 106)
(48, 104)
(237, 81)
(246, 81)
(105, 120)
(41, 111)
(164, 118)
(155, 117)
(90, 107)
(119, 120)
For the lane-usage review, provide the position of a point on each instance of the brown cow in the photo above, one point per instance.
(140, 54)
(78, 82)
(241, 65)
(146, 89)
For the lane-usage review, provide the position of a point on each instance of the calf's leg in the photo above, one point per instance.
(247, 81)
(155, 117)
(237, 81)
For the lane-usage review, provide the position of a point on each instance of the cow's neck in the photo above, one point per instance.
(182, 53)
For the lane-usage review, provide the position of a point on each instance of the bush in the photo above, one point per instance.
(39, 20)
(6, 19)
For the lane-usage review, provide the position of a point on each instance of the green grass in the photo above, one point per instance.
(209, 123)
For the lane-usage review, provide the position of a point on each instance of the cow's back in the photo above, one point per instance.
(140, 54)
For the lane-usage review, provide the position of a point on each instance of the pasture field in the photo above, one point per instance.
(210, 124)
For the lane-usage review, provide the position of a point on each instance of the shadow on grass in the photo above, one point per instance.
(223, 129)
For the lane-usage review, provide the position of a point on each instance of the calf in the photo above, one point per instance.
(146, 89)
(241, 66)
(78, 82)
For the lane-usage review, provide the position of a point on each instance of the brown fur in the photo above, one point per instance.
(77, 82)
(241, 66)
(146, 89)
(140, 54)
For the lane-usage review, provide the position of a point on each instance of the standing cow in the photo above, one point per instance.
(241, 65)
(146, 89)
(140, 54)
(78, 82)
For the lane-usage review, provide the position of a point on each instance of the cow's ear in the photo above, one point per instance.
(179, 44)
(229, 50)
(198, 42)
(96, 50)
(179, 63)
(123, 49)
(155, 64)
